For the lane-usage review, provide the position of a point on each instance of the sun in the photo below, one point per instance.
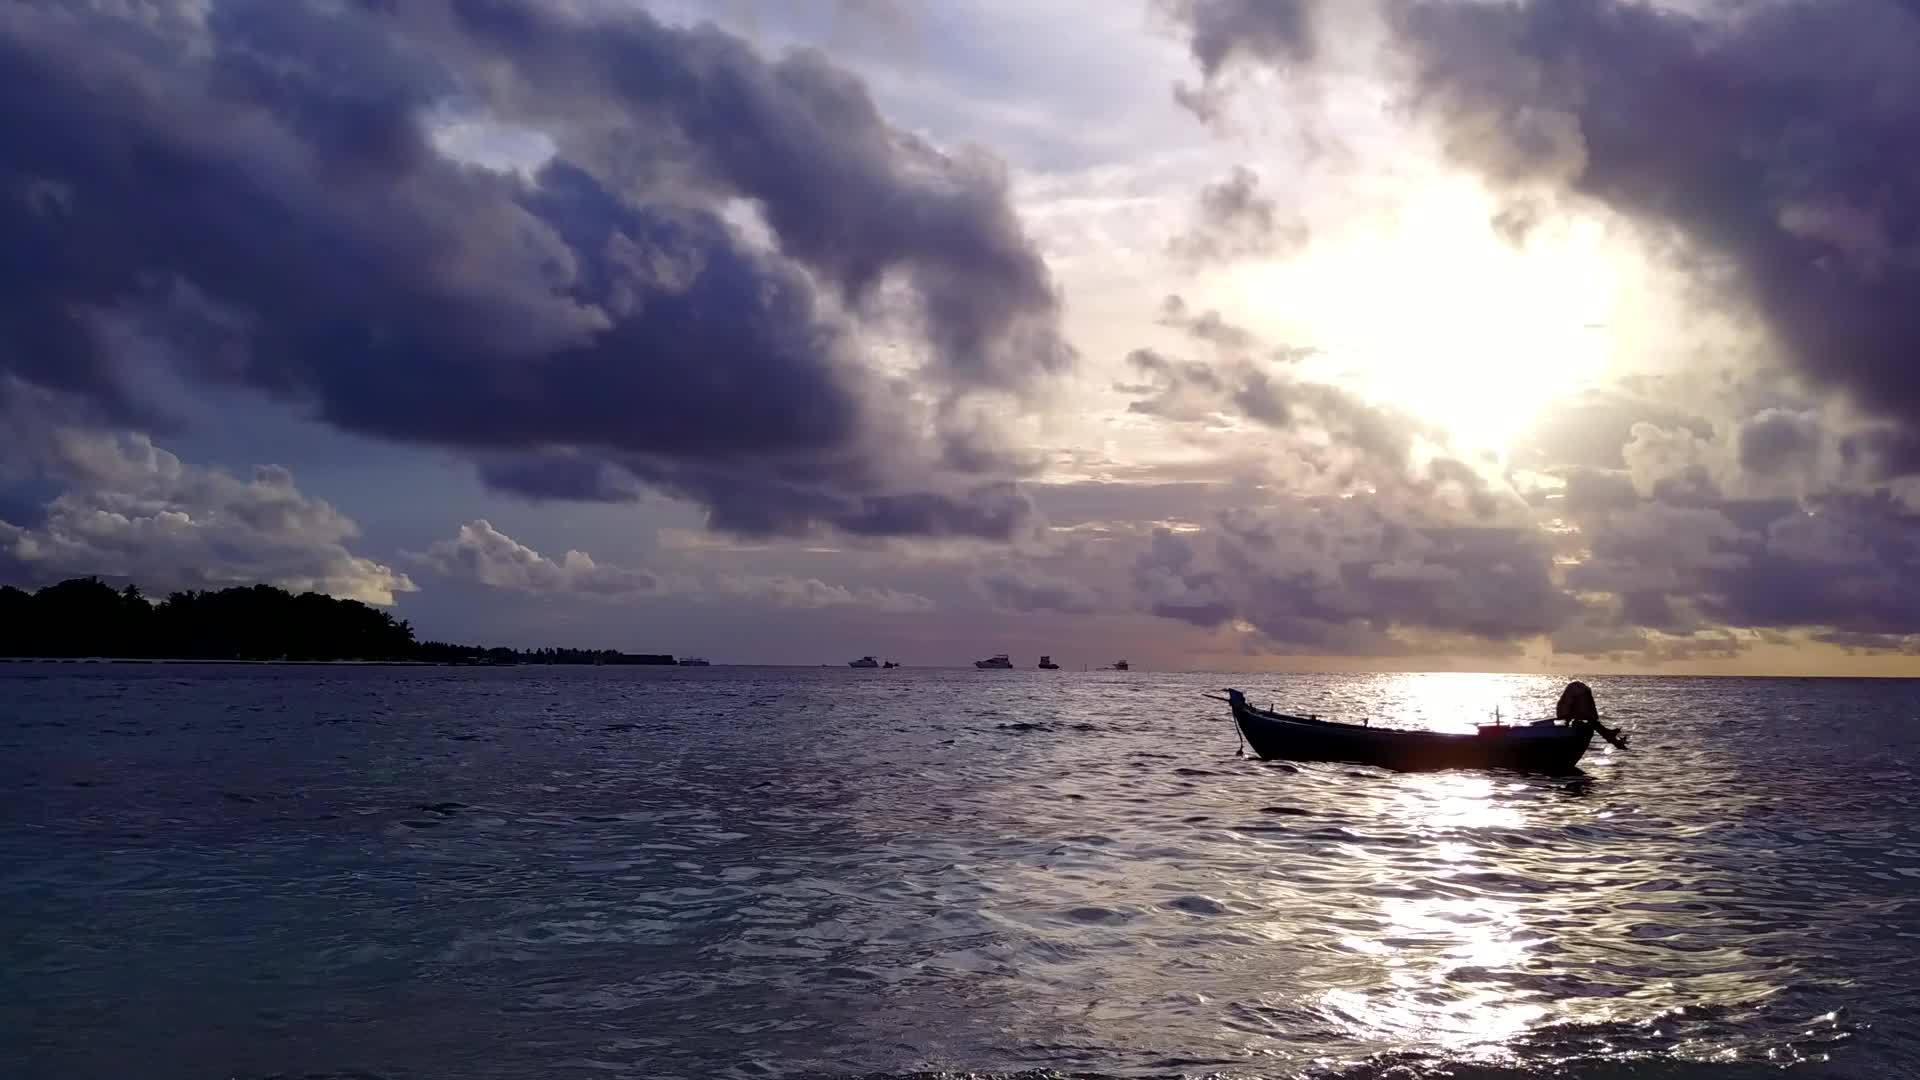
(1433, 312)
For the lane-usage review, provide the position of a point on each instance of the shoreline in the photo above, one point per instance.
(182, 660)
(189, 661)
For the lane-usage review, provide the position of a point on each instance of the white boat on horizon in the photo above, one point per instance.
(864, 662)
(996, 662)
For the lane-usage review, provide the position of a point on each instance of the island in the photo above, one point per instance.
(86, 617)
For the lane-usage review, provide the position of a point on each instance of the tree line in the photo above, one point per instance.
(84, 617)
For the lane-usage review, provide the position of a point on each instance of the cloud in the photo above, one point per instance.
(1170, 584)
(1262, 29)
(1845, 563)
(1778, 440)
(1028, 590)
(1907, 644)
(132, 510)
(1765, 153)
(1335, 429)
(483, 554)
(256, 195)
(1353, 576)
(1682, 560)
(1597, 640)
(798, 592)
(1312, 566)
(1177, 390)
(1210, 327)
(1223, 31)
(1677, 553)
(1593, 427)
(1234, 221)
(1771, 140)
(1654, 532)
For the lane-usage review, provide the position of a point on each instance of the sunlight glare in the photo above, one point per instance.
(1461, 700)
(1431, 311)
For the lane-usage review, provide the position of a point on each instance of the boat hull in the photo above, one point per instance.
(1276, 736)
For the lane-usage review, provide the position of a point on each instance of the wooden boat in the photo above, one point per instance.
(1545, 746)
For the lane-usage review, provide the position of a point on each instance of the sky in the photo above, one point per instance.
(1563, 335)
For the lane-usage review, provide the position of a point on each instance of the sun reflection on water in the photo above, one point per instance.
(1457, 701)
(1431, 950)
(1440, 957)
(1443, 803)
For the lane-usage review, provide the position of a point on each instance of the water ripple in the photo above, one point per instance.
(765, 873)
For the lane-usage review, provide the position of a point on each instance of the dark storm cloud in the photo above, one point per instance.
(854, 198)
(262, 194)
(1588, 490)
(560, 474)
(1840, 562)
(1233, 220)
(1171, 585)
(1223, 31)
(1027, 590)
(1845, 562)
(1069, 505)
(994, 511)
(1364, 564)
(1680, 543)
(1332, 576)
(1777, 440)
(1256, 29)
(1776, 140)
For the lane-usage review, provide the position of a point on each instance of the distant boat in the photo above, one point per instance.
(865, 661)
(1047, 664)
(693, 661)
(998, 661)
(891, 664)
(1119, 665)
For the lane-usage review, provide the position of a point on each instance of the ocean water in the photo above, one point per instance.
(212, 872)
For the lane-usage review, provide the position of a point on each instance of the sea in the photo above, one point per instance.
(216, 872)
